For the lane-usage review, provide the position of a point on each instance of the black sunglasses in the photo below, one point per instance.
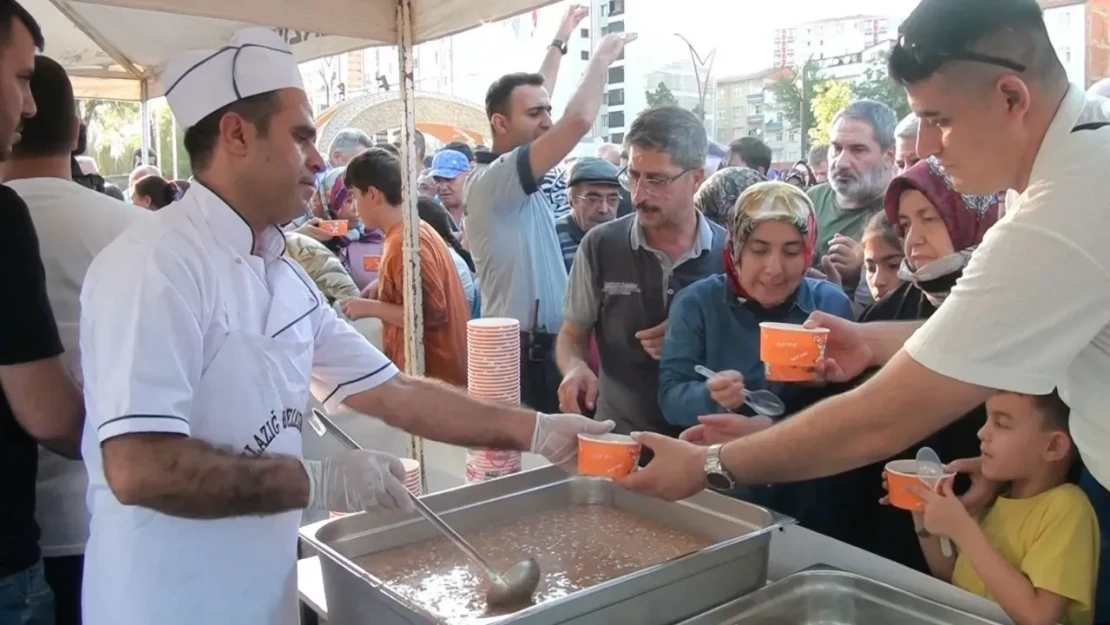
(914, 62)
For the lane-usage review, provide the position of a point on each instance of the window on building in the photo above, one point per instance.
(793, 137)
(616, 137)
(616, 97)
(778, 137)
(616, 27)
(616, 75)
(585, 33)
(737, 111)
(722, 113)
(754, 132)
(605, 98)
(738, 91)
(758, 110)
(616, 7)
(616, 119)
(585, 55)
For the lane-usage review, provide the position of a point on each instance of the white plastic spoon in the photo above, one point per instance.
(765, 403)
(930, 471)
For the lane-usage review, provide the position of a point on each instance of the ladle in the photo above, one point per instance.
(514, 586)
(763, 402)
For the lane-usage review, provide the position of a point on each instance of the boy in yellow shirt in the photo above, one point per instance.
(1035, 550)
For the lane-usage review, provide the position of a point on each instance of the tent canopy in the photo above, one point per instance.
(112, 47)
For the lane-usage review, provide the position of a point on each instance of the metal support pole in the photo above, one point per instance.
(414, 300)
(157, 118)
(144, 115)
(173, 145)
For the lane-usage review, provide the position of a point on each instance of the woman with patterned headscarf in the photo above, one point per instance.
(360, 250)
(715, 323)
(716, 197)
(939, 229)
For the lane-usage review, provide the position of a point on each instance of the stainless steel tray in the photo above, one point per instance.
(828, 596)
(660, 595)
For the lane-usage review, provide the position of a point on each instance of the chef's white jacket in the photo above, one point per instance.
(190, 326)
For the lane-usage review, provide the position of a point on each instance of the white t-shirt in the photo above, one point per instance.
(193, 326)
(73, 224)
(1032, 310)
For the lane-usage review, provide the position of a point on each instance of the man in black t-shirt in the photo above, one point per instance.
(38, 401)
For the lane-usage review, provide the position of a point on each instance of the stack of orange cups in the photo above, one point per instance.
(493, 373)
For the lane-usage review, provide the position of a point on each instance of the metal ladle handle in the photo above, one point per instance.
(420, 506)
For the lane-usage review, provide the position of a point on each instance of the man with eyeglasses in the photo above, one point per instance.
(627, 272)
(595, 196)
(1032, 310)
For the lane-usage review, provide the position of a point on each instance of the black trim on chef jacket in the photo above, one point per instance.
(254, 242)
(142, 416)
(311, 292)
(1090, 126)
(356, 380)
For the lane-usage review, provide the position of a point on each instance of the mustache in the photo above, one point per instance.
(647, 207)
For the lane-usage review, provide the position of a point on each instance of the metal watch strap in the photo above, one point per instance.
(716, 475)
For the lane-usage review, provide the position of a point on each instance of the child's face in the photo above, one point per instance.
(1015, 443)
(881, 262)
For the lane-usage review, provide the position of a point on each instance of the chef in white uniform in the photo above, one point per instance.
(200, 341)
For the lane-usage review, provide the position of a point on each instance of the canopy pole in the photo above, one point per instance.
(173, 145)
(144, 115)
(414, 299)
(157, 115)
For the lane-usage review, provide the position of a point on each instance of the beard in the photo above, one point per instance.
(857, 188)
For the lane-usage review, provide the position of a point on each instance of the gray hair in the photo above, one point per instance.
(879, 116)
(349, 139)
(818, 155)
(673, 130)
(907, 128)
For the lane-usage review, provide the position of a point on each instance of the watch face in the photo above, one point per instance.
(718, 481)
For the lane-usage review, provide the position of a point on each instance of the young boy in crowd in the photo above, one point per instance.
(1035, 550)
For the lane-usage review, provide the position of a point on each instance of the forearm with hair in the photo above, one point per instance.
(572, 348)
(189, 478)
(549, 69)
(440, 412)
(886, 338)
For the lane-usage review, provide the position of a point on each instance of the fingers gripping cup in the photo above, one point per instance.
(607, 455)
(900, 476)
(791, 352)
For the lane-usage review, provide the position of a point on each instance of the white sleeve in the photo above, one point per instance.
(141, 342)
(344, 362)
(1029, 301)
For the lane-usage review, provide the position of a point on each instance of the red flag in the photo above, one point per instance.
(535, 20)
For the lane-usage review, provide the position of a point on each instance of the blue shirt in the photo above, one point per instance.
(709, 326)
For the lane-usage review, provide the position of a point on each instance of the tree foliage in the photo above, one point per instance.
(831, 97)
(115, 133)
(877, 85)
(662, 96)
(787, 92)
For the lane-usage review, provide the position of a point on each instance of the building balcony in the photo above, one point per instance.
(755, 97)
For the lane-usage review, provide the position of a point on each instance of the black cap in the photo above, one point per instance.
(592, 169)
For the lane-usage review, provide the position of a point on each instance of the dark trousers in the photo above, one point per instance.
(1100, 501)
(63, 574)
(539, 375)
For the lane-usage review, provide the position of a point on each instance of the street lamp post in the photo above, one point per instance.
(700, 64)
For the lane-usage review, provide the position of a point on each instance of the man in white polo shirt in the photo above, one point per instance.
(200, 340)
(1031, 312)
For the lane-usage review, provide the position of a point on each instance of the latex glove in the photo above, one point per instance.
(556, 435)
(357, 480)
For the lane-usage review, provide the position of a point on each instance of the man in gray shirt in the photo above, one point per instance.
(510, 224)
(627, 272)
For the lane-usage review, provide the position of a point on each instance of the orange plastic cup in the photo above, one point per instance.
(337, 227)
(902, 474)
(370, 263)
(607, 455)
(790, 351)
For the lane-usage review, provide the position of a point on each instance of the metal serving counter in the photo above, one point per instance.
(828, 596)
(733, 566)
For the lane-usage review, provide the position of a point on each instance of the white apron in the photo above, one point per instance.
(148, 568)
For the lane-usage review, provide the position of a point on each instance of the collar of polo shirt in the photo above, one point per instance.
(230, 227)
(704, 240)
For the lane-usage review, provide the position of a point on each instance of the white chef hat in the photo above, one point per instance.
(201, 82)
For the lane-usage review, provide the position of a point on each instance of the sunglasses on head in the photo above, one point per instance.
(914, 62)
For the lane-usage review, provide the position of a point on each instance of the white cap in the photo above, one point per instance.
(201, 82)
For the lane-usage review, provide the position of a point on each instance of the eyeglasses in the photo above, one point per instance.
(915, 62)
(652, 185)
(595, 201)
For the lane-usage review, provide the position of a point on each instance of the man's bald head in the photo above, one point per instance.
(610, 152)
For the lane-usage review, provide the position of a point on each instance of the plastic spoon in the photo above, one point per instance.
(513, 587)
(765, 403)
(931, 472)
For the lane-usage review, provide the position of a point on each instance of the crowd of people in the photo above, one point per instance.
(151, 342)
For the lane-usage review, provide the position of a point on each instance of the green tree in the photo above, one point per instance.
(788, 95)
(662, 96)
(876, 85)
(831, 97)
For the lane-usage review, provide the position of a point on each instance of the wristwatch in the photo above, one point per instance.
(559, 45)
(716, 475)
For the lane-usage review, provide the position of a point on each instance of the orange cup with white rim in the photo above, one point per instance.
(900, 476)
(791, 352)
(607, 455)
(334, 227)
